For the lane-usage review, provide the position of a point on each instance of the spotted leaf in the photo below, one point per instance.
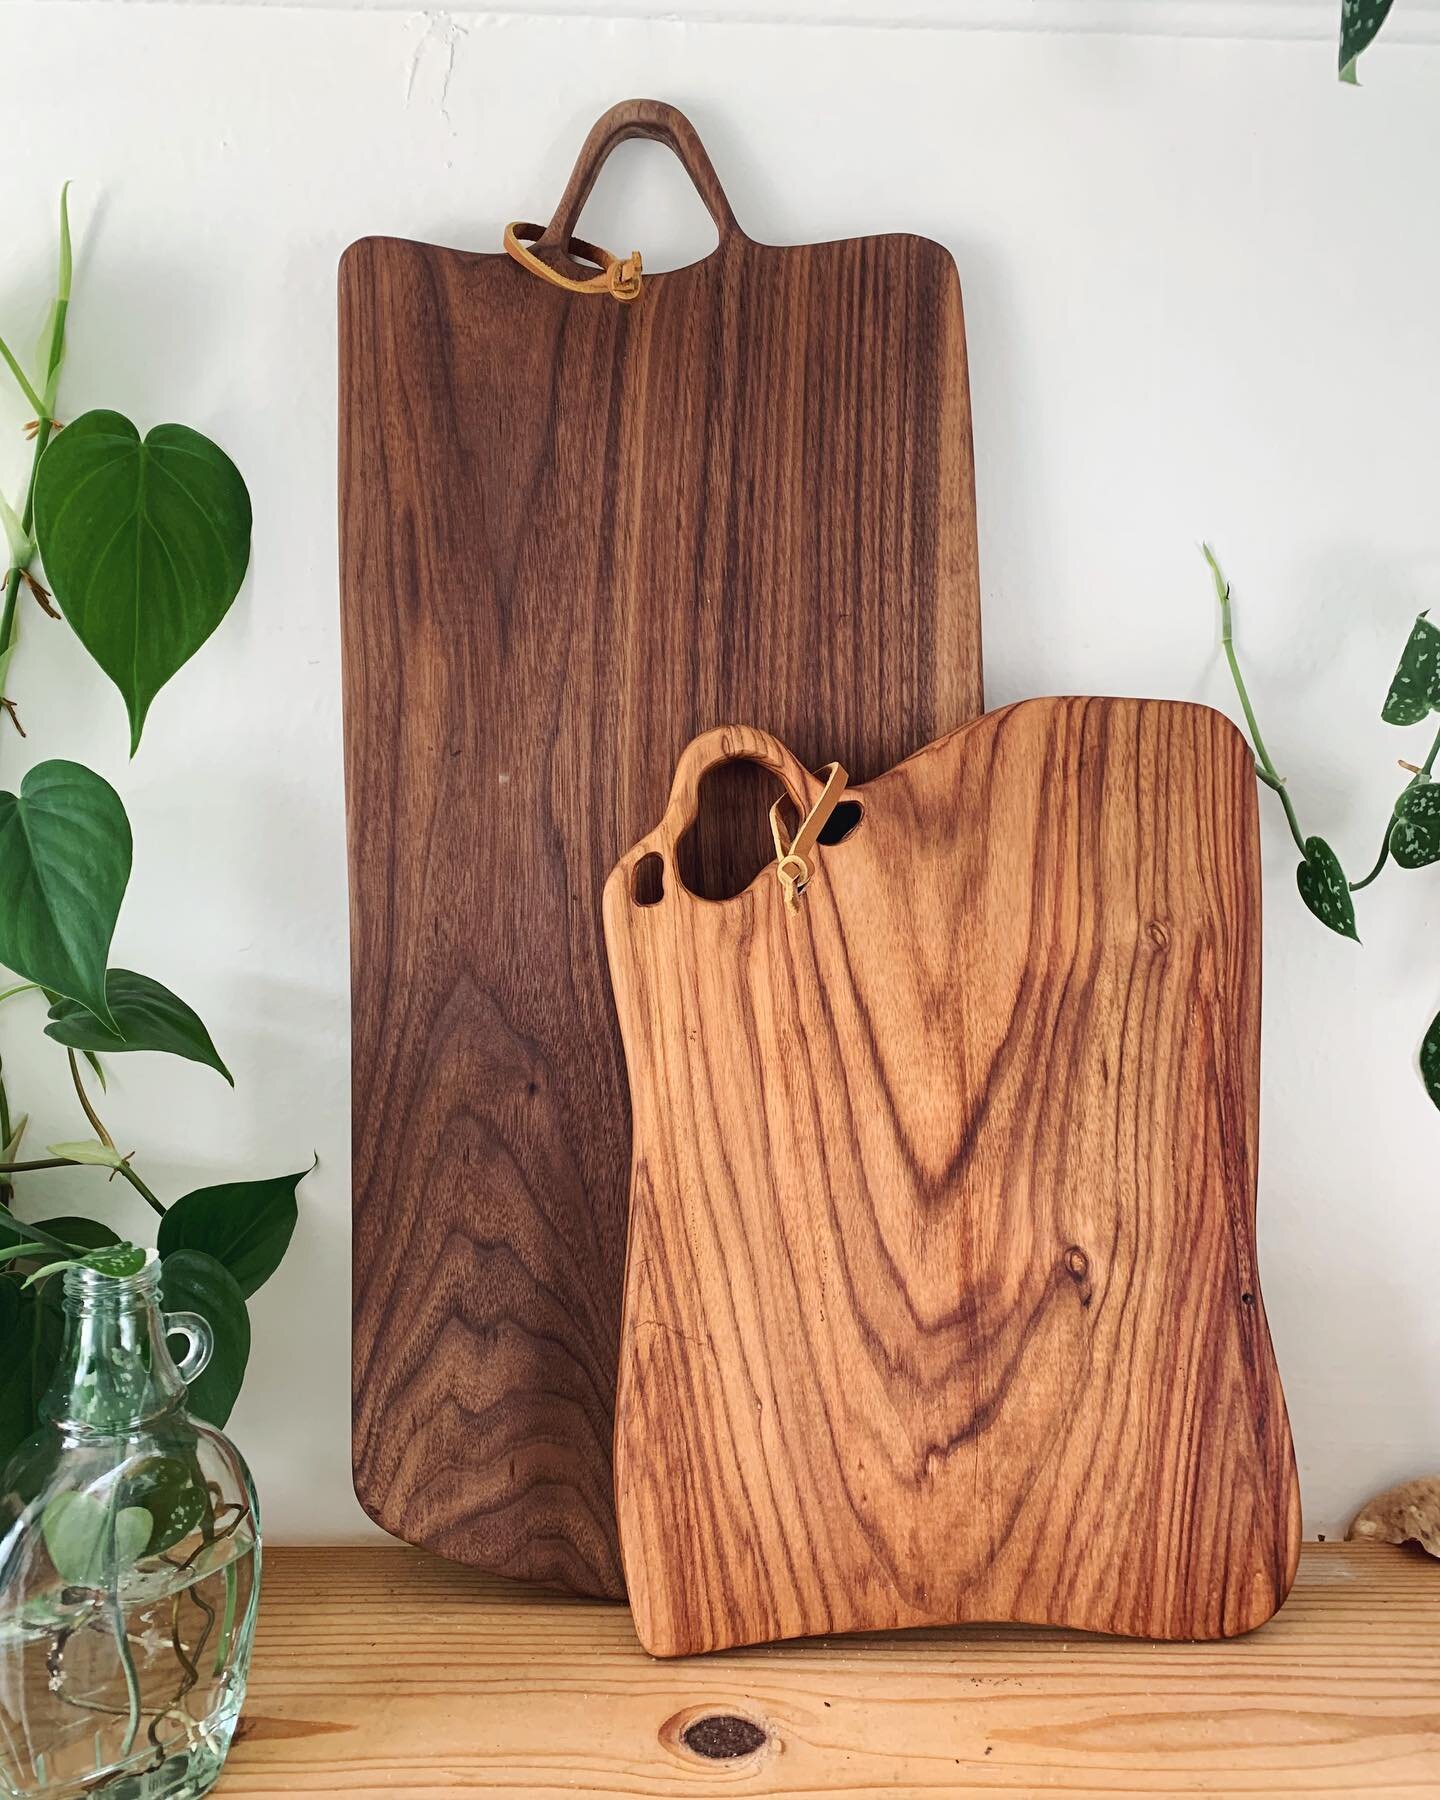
(1324, 889)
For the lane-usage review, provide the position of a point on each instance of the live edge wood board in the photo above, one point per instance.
(941, 1301)
(573, 534)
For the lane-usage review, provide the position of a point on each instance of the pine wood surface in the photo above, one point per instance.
(941, 1302)
(382, 1671)
(573, 534)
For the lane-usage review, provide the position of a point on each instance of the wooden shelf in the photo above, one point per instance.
(383, 1671)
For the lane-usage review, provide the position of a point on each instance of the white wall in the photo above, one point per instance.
(1201, 286)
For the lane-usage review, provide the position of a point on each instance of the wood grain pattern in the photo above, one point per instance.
(381, 1671)
(941, 1302)
(574, 533)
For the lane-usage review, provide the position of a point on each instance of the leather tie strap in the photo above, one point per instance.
(793, 855)
(620, 278)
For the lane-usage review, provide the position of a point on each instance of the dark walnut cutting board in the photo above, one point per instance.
(941, 1301)
(573, 534)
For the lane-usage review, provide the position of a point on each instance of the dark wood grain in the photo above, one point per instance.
(941, 1301)
(574, 533)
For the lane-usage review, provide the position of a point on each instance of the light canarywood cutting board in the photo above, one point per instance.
(941, 1300)
(573, 534)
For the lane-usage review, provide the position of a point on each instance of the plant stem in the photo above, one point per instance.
(44, 410)
(97, 1125)
(1429, 762)
(43, 1162)
(20, 987)
(1380, 860)
(1264, 767)
(7, 1192)
(27, 521)
(90, 1113)
(140, 1188)
(227, 1621)
(127, 1663)
(1421, 774)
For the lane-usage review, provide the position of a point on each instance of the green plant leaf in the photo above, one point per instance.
(246, 1225)
(64, 866)
(51, 1268)
(119, 1260)
(1430, 1060)
(1415, 835)
(169, 1492)
(1360, 20)
(77, 1529)
(12, 1251)
(30, 1337)
(88, 1150)
(79, 1233)
(13, 1231)
(1415, 691)
(145, 545)
(192, 1281)
(147, 1016)
(1324, 889)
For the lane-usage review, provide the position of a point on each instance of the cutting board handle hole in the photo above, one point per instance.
(842, 822)
(728, 842)
(647, 881)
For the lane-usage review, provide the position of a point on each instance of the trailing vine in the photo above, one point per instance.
(143, 544)
(1411, 838)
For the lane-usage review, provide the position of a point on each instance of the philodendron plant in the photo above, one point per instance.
(1360, 22)
(1411, 838)
(143, 544)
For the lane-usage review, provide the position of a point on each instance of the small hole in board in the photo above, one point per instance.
(647, 883)
(846, 816)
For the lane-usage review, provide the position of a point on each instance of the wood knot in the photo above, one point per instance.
(1077, 1267)
(722, 1736)
(1157, 934)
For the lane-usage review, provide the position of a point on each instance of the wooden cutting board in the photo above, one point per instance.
(574, 533)
(941, 1301)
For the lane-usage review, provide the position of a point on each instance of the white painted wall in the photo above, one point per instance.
(1201, 284)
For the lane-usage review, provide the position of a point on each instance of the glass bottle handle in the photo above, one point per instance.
(199, 1342)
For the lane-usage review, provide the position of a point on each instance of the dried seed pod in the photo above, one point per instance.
(1409, 1513)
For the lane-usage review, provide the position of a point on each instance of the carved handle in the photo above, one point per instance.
(726, 743)
(638, 119)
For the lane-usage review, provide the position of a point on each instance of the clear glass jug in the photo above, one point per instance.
(129, 1564)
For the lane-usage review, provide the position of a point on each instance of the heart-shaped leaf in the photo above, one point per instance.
(170, 1492)
(246, 1225)
(1430, 1060)
(147, 1017)
(1415, 835)
(78, 1532)
(1360, 20)
(64, 866)
(1324, 889)
(78, 1232)
(193, 1281)
(145, 545)
(1415, 691)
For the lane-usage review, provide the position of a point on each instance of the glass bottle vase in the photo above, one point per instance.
(129, 1564)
